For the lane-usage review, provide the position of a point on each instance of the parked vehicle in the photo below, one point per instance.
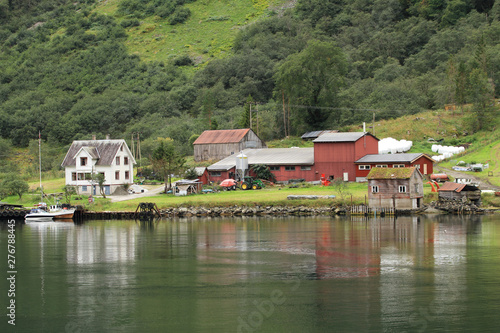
(251, 183)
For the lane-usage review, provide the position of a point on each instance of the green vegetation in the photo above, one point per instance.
(173, 68)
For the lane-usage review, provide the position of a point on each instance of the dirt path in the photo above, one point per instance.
(152, 191)
(483, 184)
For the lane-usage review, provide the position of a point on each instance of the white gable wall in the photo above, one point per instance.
(110, 171)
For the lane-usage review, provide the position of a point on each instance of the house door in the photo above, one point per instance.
(346, 176)
(107, 189)
(425, 168)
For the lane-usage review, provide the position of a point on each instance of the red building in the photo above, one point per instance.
(421, 161)
(285, 164)
(335, 153)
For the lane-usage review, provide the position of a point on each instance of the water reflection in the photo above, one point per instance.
(268, 274)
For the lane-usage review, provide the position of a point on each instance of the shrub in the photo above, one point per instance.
(183, 61)
(130, 23)
(180, 15)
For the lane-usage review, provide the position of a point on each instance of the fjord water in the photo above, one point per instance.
(321, 274)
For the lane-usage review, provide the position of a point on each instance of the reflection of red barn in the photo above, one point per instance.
(346, 254)
(421, 161)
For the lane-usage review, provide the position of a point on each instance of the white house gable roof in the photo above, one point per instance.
(102, 150)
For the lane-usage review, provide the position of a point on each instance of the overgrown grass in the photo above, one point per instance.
(208, 33)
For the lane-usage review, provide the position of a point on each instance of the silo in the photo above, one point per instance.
(241, 165)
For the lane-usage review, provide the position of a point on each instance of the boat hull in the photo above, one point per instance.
(62, 215)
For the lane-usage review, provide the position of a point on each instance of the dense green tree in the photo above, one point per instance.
(14, 185)
(167, 161)
(313, 78)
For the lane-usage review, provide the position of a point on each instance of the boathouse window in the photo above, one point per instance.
(402, 189)
(117, 175)
(83, 161)
(381, 166)
(290, 168)
(364, 167)
(398, 166)
(117, 160)
(375, 189)
(125, 160)
(274, 168)
(126, 175)
(215, 174)
(305, 168)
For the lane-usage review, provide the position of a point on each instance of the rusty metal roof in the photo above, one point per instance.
(391, 173)
(457, 187)
(221, 136)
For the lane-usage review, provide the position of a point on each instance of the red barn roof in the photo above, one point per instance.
(221, 136)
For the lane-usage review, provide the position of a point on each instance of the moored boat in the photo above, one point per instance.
(54, 212)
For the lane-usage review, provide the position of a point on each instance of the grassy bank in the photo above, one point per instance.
(354, 193)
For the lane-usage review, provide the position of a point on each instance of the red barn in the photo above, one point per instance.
(335, 153)
(421, 161)
(285, 164)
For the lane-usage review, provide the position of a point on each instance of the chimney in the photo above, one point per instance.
(93, 137)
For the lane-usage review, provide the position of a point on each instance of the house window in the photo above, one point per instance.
(305, 168)
(398, 166)
(402, 189)
(274, 168)
(375, 189)
(117, 160)
(290, 168)
(215, 174)
(81, 176)
(126, 175)
(117, 175)
(84, 188)
(125, 160)
(364, 167)
(73, 176)
(381, 166)
(83, 161)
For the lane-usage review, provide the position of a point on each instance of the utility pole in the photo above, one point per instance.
(373, 123)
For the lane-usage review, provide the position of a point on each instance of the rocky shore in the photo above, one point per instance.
(246, 211)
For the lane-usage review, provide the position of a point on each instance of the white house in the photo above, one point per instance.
(109, 157)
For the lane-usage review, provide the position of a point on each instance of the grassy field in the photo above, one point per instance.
(354, 193)
(208, 33)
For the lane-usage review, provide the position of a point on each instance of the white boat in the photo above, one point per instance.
(43, 213)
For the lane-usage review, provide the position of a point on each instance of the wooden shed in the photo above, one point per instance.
(456, 191)
(219, 144)
(400, 188)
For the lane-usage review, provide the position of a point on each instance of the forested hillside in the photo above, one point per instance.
(70, 69)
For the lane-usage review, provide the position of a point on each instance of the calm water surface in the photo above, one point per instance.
(426, 274)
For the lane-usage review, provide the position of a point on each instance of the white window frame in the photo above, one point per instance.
(381, 166)
(398, 165)
(402, 188)
(364, 167)
(375, 189)
(289, 167)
